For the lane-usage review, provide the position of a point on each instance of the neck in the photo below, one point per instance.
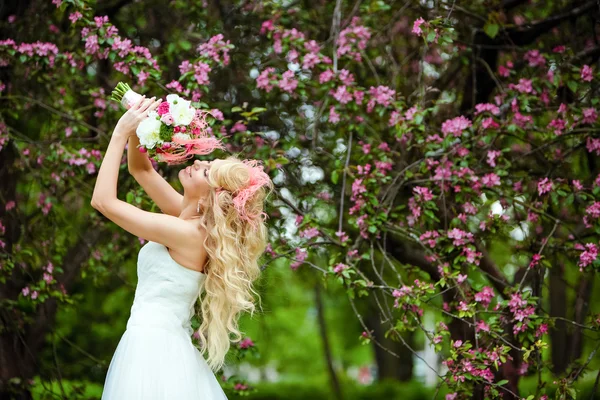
(189, 209)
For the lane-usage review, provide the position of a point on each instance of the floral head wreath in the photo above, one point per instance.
(258, 179)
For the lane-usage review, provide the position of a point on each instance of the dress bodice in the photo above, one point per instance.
(166, 290)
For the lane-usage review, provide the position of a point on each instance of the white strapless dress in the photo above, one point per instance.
(155, 358)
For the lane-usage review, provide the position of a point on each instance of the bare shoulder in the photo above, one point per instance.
(191, 252)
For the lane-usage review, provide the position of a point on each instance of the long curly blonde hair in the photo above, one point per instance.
(234, 246)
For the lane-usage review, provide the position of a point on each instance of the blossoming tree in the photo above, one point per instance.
(441, 156)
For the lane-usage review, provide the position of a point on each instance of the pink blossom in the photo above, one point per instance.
(357, 188)
(301, 255)
(74, 17)
(459, 237)
(410, 113)
(353, 38)
(516, 302)
(288, 82)
(522, 120)
(589, 255)
(424, 193)
(264, 79)
(334, 117)
(491, 157)
(589, 115)
(535, 260)
(455, 126)
(524, 86)
(544, 186)
(238, 127)
(490, 180)
(142, 76)
(342, 95)
(383, 146)
(485, 296)
(482, 107)
(175, 85)
(593, 145)
(503, 71)
(339, 268)
(25, 291)
(535, 58)
(309, 233)
(91, 44)
(267, 26)
(185, 67)
(382, 95)
(587, 73)
(201, 71)
(246, 343)
(417, 26)
(326, 76)
(542, 330)
(395, 118)
(216, 49)
(358, 96)
(558, 125)
(310, 60)
(346, 77)
(342, 235)
(217, 114)
(482, 326)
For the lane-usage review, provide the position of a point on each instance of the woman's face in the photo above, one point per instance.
(194, 178)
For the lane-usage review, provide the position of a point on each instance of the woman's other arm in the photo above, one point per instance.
(159, 190)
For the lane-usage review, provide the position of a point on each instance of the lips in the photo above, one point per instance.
(189, 171)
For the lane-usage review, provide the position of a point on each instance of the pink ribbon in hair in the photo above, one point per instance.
(258, 179)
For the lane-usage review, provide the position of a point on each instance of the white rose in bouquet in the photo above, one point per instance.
(182, 136)
(182, 111)
(148, 131)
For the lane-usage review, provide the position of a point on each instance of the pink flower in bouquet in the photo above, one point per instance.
(163, 108)
(166, 119)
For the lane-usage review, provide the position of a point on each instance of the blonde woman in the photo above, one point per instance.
(205, 245)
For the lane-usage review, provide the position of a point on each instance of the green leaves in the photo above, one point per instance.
(491, 29)
(335, 176)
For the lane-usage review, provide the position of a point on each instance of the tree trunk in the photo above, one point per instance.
(335, 384)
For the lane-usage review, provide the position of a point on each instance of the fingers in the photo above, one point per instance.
(154, 105)
(138, 103)
(144, 106)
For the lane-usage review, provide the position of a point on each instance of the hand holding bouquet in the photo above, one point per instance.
(172, 132)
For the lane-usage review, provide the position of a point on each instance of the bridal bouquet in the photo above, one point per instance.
(172, 133)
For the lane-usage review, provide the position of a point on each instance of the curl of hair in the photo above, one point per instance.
(233, 246)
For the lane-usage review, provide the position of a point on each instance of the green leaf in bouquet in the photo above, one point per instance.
(165, 133)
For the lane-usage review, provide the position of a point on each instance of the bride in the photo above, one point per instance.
(204, 246)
